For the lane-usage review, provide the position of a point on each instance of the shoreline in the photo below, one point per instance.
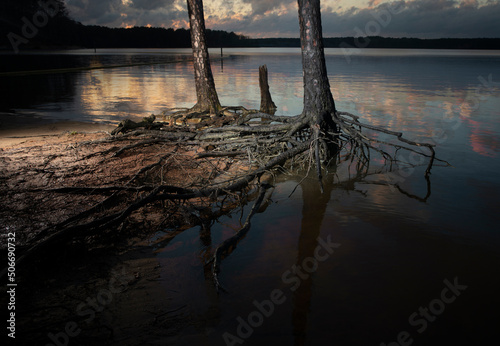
(18, 129)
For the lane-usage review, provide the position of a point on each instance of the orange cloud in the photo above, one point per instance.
(179, 23)
(374, 3)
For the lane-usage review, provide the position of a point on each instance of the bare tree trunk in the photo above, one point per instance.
(319, 106)
(208, 101)
(266, 102)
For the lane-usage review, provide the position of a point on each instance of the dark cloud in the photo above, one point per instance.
(152, 4)
(93, 12)
(418, 18)
(115, 12)
(412, 18)
(260, 7)
(106, 18)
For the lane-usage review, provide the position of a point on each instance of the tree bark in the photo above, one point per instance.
(319, 106)
(266, 102)
(207, 99)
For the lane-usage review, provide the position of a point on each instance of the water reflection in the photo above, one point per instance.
(390, 261)
(414, 93)
(50, 94)
(135, 89)
(397, 244)
(313, 211)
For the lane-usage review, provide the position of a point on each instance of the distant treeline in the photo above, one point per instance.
(39, 24)
(384, 42)
(140, 37)
(32, 24)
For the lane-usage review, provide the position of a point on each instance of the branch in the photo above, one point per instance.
(229, 245)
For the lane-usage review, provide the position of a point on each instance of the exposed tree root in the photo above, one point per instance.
(229, 245)
(258, 142)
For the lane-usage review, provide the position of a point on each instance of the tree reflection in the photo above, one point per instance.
(314, 207)
(313, 212)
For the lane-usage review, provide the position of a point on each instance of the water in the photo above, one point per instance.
(397, 251)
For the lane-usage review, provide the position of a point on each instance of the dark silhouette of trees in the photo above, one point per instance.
(62, 31)
(33, 23)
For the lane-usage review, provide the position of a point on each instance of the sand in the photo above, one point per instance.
(37, 155)
(17, 129)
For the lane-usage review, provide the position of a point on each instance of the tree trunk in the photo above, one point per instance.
(207, 99)
(319, 106)
(266, 102)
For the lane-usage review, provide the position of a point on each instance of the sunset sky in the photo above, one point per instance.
(278, 18)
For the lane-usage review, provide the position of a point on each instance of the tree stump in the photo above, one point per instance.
(266, 102)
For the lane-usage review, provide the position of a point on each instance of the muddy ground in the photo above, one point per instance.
(100, 289)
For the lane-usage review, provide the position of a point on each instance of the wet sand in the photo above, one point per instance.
(56, 288)
(17, 129)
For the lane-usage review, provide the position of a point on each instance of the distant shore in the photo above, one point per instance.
(281, 42)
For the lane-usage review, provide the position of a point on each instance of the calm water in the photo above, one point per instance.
(395, 249)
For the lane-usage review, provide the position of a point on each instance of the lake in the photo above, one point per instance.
(365, 263)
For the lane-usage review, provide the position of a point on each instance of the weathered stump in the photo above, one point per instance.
(266, 102)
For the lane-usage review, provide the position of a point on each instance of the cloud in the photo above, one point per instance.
(414, 18)
(151, 4)
(121, 13)
(373, 3)
(89, 11)
(417, 18)
(278, 18)
(259, 7)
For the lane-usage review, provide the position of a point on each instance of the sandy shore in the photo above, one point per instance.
(37, 156)
(17, 129)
